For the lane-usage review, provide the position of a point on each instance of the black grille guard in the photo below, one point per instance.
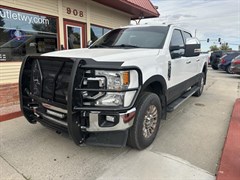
(74, 105)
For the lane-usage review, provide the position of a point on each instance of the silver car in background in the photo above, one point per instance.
(235, 65)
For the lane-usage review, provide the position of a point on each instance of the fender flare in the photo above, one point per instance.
(156, 78)
(162, 92)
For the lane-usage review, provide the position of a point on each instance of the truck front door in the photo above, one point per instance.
(180, 66)
(193, 62)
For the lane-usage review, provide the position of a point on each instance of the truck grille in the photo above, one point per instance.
(50, 79)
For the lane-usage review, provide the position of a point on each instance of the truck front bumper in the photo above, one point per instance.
(99, 122)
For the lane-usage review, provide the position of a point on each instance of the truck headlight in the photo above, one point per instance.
(116, 80)
(111, 99)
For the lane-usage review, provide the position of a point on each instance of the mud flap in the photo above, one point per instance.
(109, 139)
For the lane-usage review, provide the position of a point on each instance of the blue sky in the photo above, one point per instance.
(212, 19)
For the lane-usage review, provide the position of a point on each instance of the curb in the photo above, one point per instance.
(229, 168)
(9, 116)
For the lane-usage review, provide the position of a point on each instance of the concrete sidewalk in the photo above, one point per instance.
(149, 165)
(34, 152)
(188, 146)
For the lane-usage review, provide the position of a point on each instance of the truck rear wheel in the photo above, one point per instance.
(147, 121)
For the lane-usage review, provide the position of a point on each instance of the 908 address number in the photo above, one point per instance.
(75, 12)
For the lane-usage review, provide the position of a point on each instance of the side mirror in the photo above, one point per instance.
(176, 51)
(89, 43)
(192, 47)
(174, 48)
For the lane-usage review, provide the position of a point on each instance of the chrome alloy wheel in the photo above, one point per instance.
(229, 70)
(150, 121)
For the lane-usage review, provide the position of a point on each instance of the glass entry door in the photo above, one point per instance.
(74, 35)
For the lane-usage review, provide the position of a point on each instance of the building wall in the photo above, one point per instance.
(9, 72)
(46, 7)
(80, 6)
(9, 94)
(93, 13)
(102, 15)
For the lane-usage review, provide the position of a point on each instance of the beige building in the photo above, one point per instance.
(36, 27)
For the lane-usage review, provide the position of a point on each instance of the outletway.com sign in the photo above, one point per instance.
(30, 19)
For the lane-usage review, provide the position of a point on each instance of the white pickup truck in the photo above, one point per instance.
(116, 91)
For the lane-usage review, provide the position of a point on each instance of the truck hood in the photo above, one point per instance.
(106, 54)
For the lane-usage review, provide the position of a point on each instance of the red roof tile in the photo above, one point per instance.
(136, 8)
(145, 4)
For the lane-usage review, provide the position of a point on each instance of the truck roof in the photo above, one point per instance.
(145, 25)
(156, 24)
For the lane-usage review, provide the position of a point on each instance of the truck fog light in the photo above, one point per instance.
(108, 120)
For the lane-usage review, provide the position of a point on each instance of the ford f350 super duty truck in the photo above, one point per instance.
(116, 91)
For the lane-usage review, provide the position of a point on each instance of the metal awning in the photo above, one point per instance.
(136, 8)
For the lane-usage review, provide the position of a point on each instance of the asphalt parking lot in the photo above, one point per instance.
(188, 146)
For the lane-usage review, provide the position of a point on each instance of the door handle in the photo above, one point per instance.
(188, 62)
(198, 60)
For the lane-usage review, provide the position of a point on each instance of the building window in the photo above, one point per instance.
(74, 34)
(24, 34)
(97, 32)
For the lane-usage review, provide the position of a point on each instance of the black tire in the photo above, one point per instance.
(138, 138)
(200, 85)
(214, 67)
(228, 69)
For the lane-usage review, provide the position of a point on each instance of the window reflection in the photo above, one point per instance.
(97, 32)
(74, 37)
(23, 34)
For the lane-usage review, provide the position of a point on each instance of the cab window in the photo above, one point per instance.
(177, 39)
(177, 44)
(186, 35)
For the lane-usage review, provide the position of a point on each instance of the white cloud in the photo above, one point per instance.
(212, 18)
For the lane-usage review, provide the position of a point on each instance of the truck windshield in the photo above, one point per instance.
(134, 37)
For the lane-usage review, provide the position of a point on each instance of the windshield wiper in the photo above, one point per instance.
(126, 45)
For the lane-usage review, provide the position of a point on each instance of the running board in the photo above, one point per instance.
(182, 99)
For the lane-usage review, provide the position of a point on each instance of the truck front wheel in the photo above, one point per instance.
(147, 121)
(200, 85)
